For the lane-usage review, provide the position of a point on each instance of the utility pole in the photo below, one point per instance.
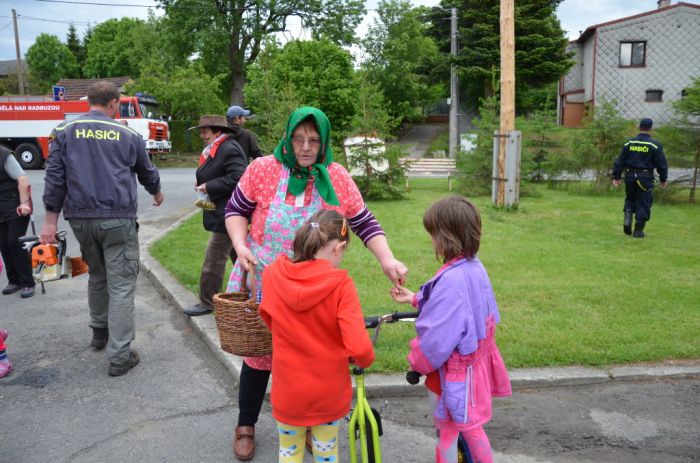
(454, 90)
(20, 77)
(508, 170)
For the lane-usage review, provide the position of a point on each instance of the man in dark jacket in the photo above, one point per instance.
(639, 157)
(90, 175)
(221, 165)
(236, 118)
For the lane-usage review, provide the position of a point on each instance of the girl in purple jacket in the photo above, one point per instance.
(456, 344)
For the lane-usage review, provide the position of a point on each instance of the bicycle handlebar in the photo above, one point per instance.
(373, 322)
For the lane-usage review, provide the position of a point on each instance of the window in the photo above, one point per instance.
(633, 54)
(654, 95)
(126, 110)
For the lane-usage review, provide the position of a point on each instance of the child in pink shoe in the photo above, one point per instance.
(456, 344)
(5, 364)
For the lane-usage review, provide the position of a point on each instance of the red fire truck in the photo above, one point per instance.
(26, 124)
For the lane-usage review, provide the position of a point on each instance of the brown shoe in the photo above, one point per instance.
(244, 443)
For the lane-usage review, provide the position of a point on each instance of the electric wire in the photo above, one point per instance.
(133, 5)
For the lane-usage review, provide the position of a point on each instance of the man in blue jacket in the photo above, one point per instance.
(639, 157)
(90, 175)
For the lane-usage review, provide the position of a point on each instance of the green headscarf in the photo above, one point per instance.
(299, 176)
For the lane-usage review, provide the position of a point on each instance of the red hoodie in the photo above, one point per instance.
(314, 314)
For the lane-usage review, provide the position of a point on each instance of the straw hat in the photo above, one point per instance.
(213, 121)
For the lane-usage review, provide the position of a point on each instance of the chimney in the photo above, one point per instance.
(663, 3)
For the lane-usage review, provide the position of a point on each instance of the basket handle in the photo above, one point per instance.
(244, 284)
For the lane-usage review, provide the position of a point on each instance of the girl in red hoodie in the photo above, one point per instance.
(314, 314)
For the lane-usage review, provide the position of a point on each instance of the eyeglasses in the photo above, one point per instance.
(301, 141)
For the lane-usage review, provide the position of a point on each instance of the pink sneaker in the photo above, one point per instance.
(5, 364)
(5, 367)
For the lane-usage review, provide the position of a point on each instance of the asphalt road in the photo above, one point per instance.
(177, 185)
(179, 403)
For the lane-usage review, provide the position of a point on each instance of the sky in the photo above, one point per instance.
(54, 16)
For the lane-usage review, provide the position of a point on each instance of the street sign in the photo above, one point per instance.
(59, 93)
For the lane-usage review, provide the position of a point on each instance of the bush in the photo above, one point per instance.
(183, 140)
(597, 145)
(376, 184)
(474, 169)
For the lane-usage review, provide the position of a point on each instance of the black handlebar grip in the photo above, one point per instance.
(413, 377)
(371, 322)
(28, 238)
(402, 315)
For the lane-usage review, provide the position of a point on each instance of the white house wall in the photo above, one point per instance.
(588, 68)
(573, 80)
(672, 60)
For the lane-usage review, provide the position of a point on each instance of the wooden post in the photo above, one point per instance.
(20, 76)
(454, 90)
(507, 92)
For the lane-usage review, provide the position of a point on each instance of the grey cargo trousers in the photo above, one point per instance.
(111, 249)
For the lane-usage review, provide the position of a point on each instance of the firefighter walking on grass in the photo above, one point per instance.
(638, 158)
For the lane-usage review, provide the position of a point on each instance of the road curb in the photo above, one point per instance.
(384, 385)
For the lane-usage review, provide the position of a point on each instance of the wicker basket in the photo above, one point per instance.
(241, 330)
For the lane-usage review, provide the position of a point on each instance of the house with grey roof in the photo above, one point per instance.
(643, 62)
(77, 88)
(9, 66)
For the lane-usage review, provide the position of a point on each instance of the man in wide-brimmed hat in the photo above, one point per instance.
(221, 165)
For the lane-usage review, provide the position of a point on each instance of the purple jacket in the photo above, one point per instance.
(456, 336)
(454, 306)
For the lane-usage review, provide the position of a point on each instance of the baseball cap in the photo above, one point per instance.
(646, 124)
(237, 111)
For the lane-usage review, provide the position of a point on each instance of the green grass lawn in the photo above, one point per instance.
(572, 288)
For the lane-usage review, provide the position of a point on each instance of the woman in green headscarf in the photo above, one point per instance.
(277, 194)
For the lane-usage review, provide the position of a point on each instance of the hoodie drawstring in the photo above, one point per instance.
(468, 392)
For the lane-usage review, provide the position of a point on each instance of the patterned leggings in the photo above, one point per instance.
(293, 441)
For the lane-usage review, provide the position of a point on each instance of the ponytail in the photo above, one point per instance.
(323, 227)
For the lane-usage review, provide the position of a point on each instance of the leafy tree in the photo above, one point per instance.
(11, 82)
(183, 92)
(398, 57)
(317, 72)
(598, 143)
(682, 147)
(231, 32)
(475, 168)
(533, 99)
(682, 139)
(272, 101)
(689, 105)
(541, 142)
(540, 42)
(48, 61)
(381, 172)
(120, 47)
(76, 47)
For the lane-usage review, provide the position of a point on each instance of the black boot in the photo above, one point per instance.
(627, 223)
(99, 338)
(638, 230)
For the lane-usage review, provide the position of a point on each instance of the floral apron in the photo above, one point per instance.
(281, 224)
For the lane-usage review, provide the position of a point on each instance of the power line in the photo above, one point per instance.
(6, 26)
(98, 4)
(77, 23)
